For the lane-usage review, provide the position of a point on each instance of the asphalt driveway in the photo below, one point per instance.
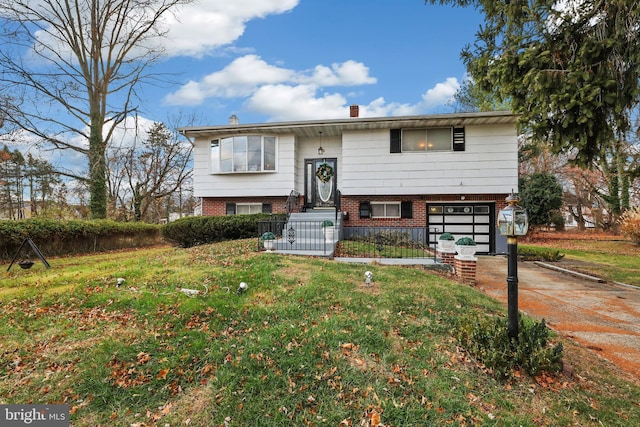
(604, 317)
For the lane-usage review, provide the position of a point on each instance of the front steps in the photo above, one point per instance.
(303, 234)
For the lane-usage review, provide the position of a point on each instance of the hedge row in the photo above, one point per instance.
(58, 237)
(192, 231)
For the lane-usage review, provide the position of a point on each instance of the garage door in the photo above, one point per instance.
(475, 220)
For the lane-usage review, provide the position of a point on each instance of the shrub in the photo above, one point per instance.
(446, 236)
(59, 237)
(486, 339)
(557, 219)
(539, 254)
(327, 223)
(267, 235)
(465, 241)
(193, 231)
(630, 224)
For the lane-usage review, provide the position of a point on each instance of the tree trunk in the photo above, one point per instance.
(97, 171)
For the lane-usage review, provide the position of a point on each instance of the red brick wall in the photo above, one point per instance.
(465, 271)
(351, 204)
(213, 206)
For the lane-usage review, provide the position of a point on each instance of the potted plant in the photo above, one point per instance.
(268, 239)
(446, 242)
(329, 230)
(466, 247)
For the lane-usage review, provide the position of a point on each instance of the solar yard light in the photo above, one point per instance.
(512, 222)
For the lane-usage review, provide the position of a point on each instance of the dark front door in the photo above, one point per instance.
(320, 182)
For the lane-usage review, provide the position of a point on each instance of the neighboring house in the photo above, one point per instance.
(443, 173)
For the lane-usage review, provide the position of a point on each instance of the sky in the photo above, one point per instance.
(289, 60)
(283, 60)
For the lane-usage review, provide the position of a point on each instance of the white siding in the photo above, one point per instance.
(278, 183)
(488, 165)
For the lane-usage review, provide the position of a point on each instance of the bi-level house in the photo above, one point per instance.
(442, 173)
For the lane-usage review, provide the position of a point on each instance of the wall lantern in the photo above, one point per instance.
(512, 222)
(320, 149)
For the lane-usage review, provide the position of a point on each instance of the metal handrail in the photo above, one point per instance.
(293, 200)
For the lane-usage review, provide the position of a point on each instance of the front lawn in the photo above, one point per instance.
(609, 257)
(308, 343)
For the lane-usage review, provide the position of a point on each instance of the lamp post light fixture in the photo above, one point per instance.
(512, 222)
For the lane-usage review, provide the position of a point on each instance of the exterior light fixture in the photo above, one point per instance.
(512, 222)
(320, 149)
(368, 278)
(242, 288)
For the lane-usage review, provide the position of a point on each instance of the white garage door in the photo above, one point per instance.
(475, 220)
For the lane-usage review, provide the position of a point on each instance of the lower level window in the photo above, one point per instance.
(385, 209)
(248, 208)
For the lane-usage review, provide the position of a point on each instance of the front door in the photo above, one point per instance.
(320, 182)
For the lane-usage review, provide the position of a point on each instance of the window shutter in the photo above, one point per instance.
(365, 209)
(406, 210)
(266, 208)
(395, 141)
(231, 209)
(458, 139)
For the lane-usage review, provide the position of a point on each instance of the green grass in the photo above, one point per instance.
(611, 260)
(308, 344)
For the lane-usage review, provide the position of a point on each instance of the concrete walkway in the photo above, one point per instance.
(604, 317)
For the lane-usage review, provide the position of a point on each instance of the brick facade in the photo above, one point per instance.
(350, 205)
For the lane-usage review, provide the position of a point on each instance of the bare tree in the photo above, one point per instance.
(156, 170)
(75, 65)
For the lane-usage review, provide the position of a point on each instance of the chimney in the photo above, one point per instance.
(354, 111)
(233, 120)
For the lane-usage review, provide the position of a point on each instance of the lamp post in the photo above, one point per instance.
(512, 222)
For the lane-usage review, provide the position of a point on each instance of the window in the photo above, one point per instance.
(436, 139)
(429, 139)
(248, 208)
(385, 209)
(245, 153)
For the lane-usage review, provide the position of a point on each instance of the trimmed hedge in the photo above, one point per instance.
(193, 231)
(62, 237)
(530, 253)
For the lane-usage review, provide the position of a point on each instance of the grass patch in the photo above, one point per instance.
(611, 260)
(308, 344)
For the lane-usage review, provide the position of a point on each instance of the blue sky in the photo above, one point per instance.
(279, 60)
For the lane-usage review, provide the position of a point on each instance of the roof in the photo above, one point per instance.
(335, 127)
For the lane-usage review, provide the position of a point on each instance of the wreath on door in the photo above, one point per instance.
(324, 172)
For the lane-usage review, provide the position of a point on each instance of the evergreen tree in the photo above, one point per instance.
(541, 195)
(570, 69)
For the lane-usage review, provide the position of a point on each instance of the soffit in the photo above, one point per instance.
(338, 127)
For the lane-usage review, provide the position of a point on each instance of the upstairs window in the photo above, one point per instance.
(433, 139)
(245, 153)
(426, 140)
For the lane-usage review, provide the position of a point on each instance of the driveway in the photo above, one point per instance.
(604, 317)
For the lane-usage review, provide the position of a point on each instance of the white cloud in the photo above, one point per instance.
(441, 94)
(282, 103)
(202, 26)
(238, 79)
(304, 102)
(349, 73)
(245, 75)
(194, 29)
